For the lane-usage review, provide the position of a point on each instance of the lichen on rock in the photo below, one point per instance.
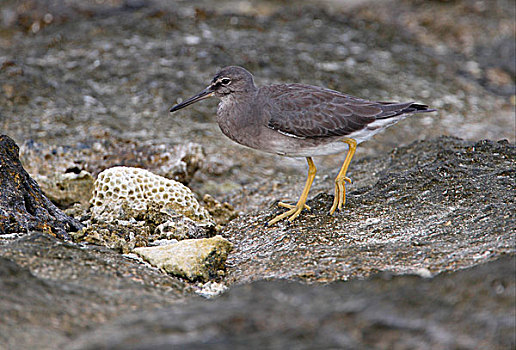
(137, 189)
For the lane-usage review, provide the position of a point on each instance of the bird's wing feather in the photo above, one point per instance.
(310, 112)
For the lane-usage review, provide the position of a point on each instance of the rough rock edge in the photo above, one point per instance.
(23, 206)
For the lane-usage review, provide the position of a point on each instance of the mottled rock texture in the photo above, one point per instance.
(434, 205)
(68, 188)
(132, 207)
(51, 290)
(103, 151)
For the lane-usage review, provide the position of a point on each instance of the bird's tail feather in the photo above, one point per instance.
(393, 109)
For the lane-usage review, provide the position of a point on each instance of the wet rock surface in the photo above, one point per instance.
(86, 85)
(453, 208)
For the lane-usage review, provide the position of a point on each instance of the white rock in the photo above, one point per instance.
(211, 289)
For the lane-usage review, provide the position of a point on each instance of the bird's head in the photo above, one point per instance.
(229, 80)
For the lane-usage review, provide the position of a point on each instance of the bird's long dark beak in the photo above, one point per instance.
(208, 92)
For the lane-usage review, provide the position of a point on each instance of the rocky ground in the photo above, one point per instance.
(460, 310)
(422, 256)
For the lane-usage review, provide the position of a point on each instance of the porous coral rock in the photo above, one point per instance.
(120, 188)
(191, 258)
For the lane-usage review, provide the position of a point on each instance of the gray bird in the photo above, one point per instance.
(298, 120)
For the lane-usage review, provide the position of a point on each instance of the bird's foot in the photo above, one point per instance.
(292, 213)
(290, 206)
(340, 194)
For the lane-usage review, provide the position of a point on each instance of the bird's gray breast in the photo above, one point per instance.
(240, 120)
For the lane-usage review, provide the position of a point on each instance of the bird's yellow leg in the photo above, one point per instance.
(295, 210)
(340, 188)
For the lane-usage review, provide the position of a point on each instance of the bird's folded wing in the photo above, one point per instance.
(309, 112)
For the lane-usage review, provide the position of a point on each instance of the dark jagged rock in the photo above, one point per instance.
(23, 207)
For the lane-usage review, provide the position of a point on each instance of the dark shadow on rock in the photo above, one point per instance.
(469, 309)
(23, 207)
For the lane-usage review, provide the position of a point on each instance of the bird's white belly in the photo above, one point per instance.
(337, 145)
(321, 150)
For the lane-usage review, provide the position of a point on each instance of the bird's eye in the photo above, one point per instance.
(225, 81)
